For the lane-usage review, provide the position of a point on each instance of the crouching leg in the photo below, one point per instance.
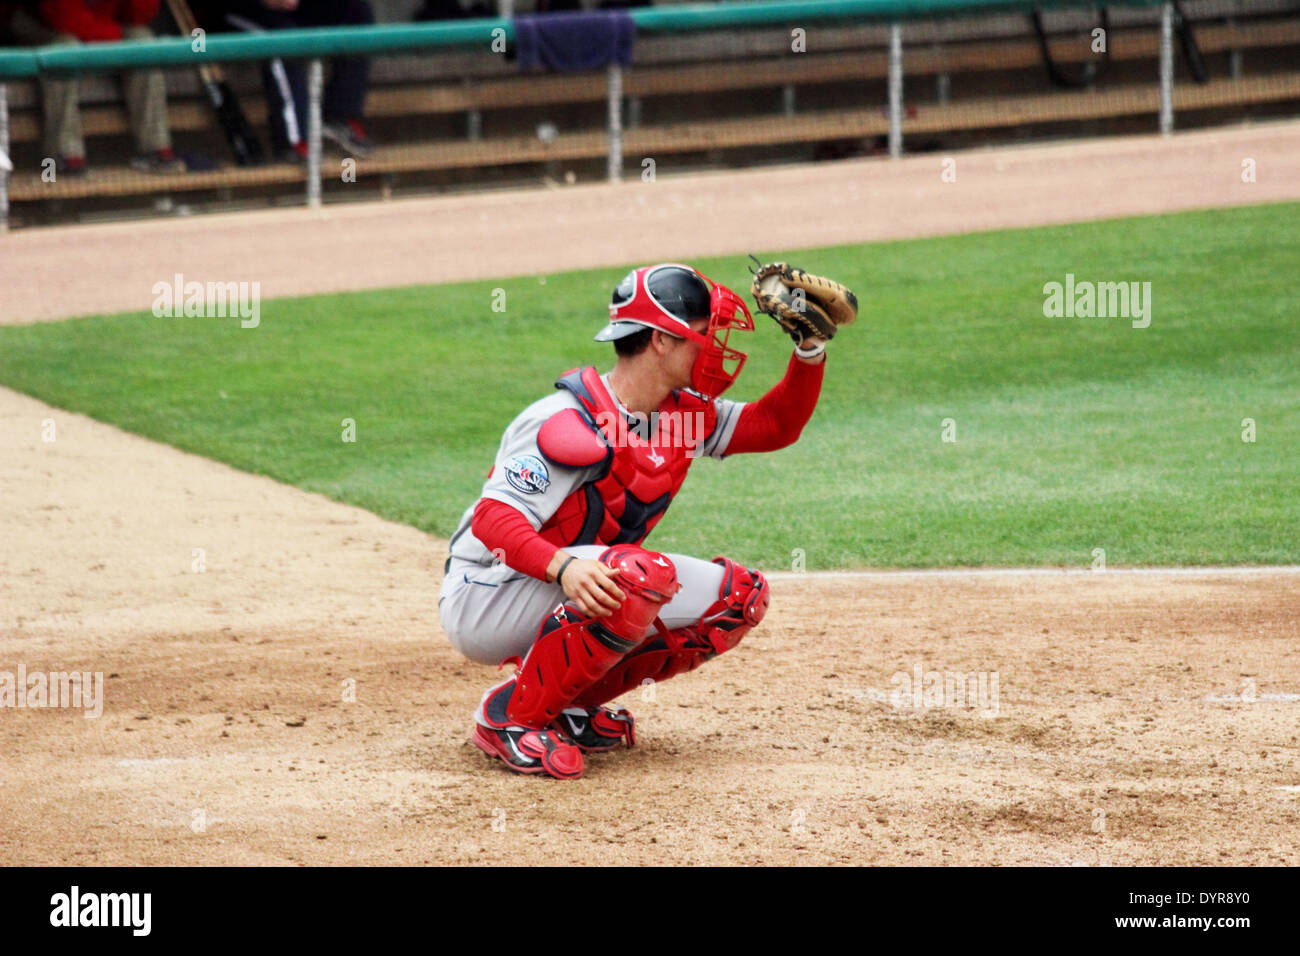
(741, 604)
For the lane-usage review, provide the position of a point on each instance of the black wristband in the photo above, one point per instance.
(560, 573)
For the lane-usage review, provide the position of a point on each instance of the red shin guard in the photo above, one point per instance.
(742, 602)
(573, 651)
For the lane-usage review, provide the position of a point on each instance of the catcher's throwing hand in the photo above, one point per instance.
(807, 306)
(590, 585)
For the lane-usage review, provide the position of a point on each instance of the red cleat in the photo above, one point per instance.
(523, 749)
(596, 729)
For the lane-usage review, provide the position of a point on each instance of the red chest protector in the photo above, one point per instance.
(640, 471)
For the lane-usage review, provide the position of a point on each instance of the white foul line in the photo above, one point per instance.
(1242, 571)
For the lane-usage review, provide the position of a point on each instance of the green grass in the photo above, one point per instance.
(1072, 434)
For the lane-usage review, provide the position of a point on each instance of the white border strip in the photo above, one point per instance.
(1243, 571)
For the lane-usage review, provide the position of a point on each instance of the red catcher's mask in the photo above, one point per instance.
(718, 363)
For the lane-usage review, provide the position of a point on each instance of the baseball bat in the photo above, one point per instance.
(1088, 72)
(244, 144)
(1191, 49)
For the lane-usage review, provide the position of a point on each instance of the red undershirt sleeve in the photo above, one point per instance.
(506, 532)
(777, 419)
(75, 17)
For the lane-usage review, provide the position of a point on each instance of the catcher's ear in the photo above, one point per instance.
(661, 341)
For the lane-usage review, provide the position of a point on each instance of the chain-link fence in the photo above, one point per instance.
(217, 120)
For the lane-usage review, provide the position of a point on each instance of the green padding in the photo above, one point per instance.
(752, 13)
(711, 16)
(291, 44)
(389, 37)
(16, 64)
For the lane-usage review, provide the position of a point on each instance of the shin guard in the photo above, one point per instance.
(573, 651)
(742, 602)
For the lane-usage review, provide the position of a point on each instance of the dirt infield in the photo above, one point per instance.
(1134, 720)
(277, 689)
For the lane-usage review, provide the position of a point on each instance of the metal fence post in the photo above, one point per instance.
(1234, 53)
(895, 90)
(1166, 68)
(615, 123)
(5, 164)
(315, 86)
(473, 115)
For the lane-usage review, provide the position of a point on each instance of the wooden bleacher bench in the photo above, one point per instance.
(665, 69)
(990, 112)
(511, 91)
(125, 181)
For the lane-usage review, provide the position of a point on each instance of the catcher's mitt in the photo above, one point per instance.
(803, 304)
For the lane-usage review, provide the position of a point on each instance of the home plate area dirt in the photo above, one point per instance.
(296, 702)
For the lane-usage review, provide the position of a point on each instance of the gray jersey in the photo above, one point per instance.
(528, 481)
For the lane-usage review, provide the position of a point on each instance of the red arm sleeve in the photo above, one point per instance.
(139, 12)
(778, 418)
(76, 18)
(505, 531)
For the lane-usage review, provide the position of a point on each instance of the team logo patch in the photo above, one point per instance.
(526, 473)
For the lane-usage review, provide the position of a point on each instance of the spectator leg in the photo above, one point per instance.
(61, 120)
(284, 81)
(289, 100)
(345, 94)
(146, 102)
(59, 113)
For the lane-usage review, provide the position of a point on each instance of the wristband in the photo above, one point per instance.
(803, 353)
(560, 573)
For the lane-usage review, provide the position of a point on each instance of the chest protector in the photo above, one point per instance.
(641, 466)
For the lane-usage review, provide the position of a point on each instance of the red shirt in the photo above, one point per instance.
(96, 20)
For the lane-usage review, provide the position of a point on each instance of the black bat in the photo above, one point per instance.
(244, 144)
(1087, 74)
(1191, 49)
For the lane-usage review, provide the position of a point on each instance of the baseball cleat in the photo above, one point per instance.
(596, 729)
(523, 749)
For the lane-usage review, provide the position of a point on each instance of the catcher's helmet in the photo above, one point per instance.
(667, 297)
(664, 297)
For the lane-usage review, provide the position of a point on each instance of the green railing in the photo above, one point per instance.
(387, 38)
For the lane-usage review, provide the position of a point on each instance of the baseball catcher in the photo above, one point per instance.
(547, 569)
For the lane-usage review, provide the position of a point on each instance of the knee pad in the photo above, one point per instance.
(573, 651)
(649, 581)
(742, 602)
